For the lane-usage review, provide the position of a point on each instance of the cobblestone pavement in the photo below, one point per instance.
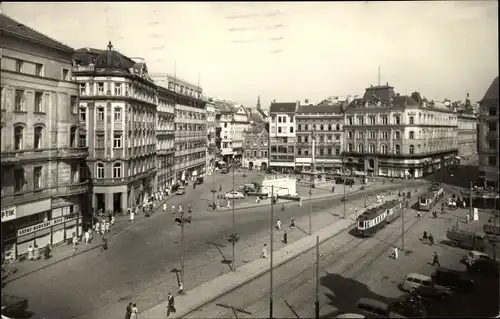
(139, 264)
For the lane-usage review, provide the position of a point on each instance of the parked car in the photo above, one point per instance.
(453, 279)
(234, 194)
(181, 190)
(474, 255)
(424, 286)
(375, 309)
(487, 267)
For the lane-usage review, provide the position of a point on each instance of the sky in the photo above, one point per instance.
(290, 51)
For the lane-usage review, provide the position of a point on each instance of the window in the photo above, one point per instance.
(82, 142)
(412, 120)
(360, 148)
(299, 139)
(299, 127)
(38, 137)
(492, 144)
(37, 177)
(397, 135)
(337, 151)
(74, 104)
(372, 120)
(117, 170)
(329, 127)
(117, 140)
(19, 66)
(361, 134)
(38, 69)
(118, 89)
(279, 119)
(349, 147)
(100, 114)
(284, 119)
(384, 120)
(19, 100)
(100, 88)
(18, 180)
(385, 135)
(321, 151)
(18, 137)
(313, 127)
(350, 134)
(118, 114)
(397, 149)
(412, 135)
(38, 102)
(99, 141)
(412, 149)
(349, 120)
(337, 127)
(492, 160)
(306, 139)
(291, 129)
(72, 137)
(65, 74)
(322, 127)
(492, 126)
(492, 110)
(291, 118)
(371, 148)
(83, 114)
(83, 89)
(360, 121)
(306, 127)
(279, 129)
(383, 148)
(100, 170)
(372, 135)
(397, 120)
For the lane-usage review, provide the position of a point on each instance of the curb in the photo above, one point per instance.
(259, 273)
(51, 264)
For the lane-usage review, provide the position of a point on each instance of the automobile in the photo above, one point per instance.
(472, 256)
(423, 286)
(487, 267)
(409, 305)
(14, 306)
(453, 279)
(181, 190)
(234, 194)
(198, 180)
(433, 292)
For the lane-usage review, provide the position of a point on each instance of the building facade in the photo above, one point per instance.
(282, 135)
(233, 122)
(256, 148)
(165, 138)
(117, 114)
(210, 144)
(44, 183)
(488, 142)
(398, 136)
(467, 134)
(322, 124)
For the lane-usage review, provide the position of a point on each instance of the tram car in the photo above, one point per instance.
(377, 217)
(429, 199)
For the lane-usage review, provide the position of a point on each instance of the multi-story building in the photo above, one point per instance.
(44, 185)
(117, 114)
(282, 135)
(324, 124)
(256, 147)
(467, 134)
(210, 146)
(233, 122)
(400, 136)
(190, 127)
(488, 142)
(165, 138)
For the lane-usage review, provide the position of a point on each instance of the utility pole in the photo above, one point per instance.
(403, 225)
(310, 210)
(470, 199)
(182, 247)
(234, 230)
(316, 303)
(271, 257)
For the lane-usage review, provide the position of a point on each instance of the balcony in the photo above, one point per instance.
(23, 156)
(124, 180)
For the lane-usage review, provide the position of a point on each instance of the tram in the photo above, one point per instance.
(377, 217)
(429, 199)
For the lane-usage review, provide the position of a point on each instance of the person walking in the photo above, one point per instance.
(228, 204)
(263, 254)
(132, 216)
(48, 252)
(36, 252)
(292, 223)
(424, 237)
(128, 311)
(104, 243)
(113, 219)
(257, 200)
(418, 214)
(170, 304)
(431, 240)
(86, 237)
(278, 224)
(285, 237)
(75, 240)
(180, 208)
(435, 260)
(181, 288)
(135, 312)
(395, 253)
(30, 252)
(190, 210)
(300, 202)
(173, 209)
(164, 207)
(282, 207)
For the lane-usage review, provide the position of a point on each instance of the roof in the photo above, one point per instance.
(283, 107)
(384, 93)
(17, 29)
(323, 109)
(111, 59)
(404, 100)
(492, 92)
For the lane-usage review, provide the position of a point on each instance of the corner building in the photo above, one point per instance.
(117, 110)
(45, 188)
(282, 135)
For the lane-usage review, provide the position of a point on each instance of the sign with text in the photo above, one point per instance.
(52, 222)
(8, 214)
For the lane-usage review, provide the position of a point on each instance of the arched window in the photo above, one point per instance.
(100, 170)
(37, 142)
(383, 148)
(299, 127)
(329, 127)
(321, 151)
(397, 149)
(314, 127)
(360, 148)
(412, 149)
(18, 137)
(322, 127)
(349, 147)
(371, 148)
(117, 170)
(72, 136)
(337, 127)
(306, 127)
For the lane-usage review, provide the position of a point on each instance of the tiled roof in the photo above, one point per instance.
(111, 59)
(282, 107)
(404, 100)
(492, 92)
(383, 92)
(323, 109)
(17, 29)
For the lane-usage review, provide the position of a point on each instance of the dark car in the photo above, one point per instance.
(487, 267)
(456, 280)
(433, 292)
(199, 180)
(409, 305)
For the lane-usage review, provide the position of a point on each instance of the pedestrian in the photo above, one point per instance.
(47, 251)
(36, 252)
(135, 312)
(128, 311)
(132, 216)
(263, 254)
(30, 252)
(292, 223)
(285, 237)
(220, 188)
(104, 243)
(113, 220)
(190, 210)
(333, 189)
(164, 207)
(86, 237)
(170, 304)
(300, 202)
(173, 209)
(278, 224)
(180, 208)
(228, 204)
(463, 203)
(282, 207)
(395, 253)
(431, 239)
(467, 218)
(181, 288)
(75, 240)
(424, 237)
(106, 225)
(257, 200)
(435, 260)
(418, 214)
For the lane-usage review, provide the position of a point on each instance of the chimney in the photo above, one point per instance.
(397, 94)
(306, 101)
(387, 83)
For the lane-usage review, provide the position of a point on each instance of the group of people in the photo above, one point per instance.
(34, 252)
(132, 312)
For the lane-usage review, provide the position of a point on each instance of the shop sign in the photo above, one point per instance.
(8, 214)
(50, 223)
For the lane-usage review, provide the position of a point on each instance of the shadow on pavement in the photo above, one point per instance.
(460, 177)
